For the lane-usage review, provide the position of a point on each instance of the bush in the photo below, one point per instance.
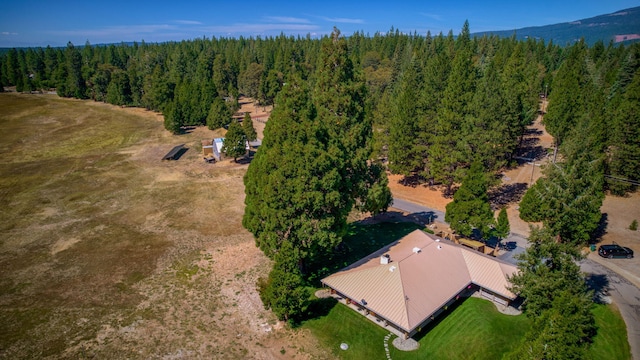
(634, 225)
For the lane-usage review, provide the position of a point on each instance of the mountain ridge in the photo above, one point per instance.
(622, 26)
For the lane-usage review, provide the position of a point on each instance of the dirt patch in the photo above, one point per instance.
(63, 244)
(618, 213)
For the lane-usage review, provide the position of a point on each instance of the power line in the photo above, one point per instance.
(623, 180)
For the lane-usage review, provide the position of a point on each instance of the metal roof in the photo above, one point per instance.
(423, 274)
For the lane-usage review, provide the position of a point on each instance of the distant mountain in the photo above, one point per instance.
(620, 26)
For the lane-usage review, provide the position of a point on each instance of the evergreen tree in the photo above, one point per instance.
(249, 80)
(290, 181)
(75, 83)
(470, 208)
(502, 225)
(158, 91)
(283, 291)
(405, 153)
(568, 199)
(269, 87)
(378, 195)
(219, 114)
(235, 141)
(555, 297)
(100, 80)
(625, 162)
(118, 90)
(487, 132)
(566, 102)
(247, 126)
(173, 118)
(312, 165)
(449, 153)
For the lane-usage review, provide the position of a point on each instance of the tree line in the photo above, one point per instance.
(436, 102)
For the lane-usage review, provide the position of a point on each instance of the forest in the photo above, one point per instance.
(435, 102)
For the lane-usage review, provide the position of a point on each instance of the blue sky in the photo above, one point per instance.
(42, 23)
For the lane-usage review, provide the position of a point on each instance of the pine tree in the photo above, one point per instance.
(566, 102)
(219, 114)
(75, 83)
(449, 154)
(283, 291)
(568, 199)
(470, 208)
(502, 225)
(405, 153)
(247, 126)
(555, 297)
(118, 90)
(235, 141)
(625, 162)
(173, 117)
(313, 162)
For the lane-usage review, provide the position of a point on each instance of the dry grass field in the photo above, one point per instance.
(108, 252)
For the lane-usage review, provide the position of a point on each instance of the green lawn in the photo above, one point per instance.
(472, 330)
(611, 340)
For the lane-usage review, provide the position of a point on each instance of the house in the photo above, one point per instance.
(408, 283)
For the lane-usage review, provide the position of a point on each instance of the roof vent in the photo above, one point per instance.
(385, 259)
(439, 247)
(416, 250)
(392, 268)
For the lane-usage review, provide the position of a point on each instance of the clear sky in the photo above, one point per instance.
(55, 22)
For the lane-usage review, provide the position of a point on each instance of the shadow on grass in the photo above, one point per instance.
(362, 239)
(430, 326)
(320, 307)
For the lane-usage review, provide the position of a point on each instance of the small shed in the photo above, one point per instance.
(175, 153)
(212, 149)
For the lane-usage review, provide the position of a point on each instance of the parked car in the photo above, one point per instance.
(615, 251)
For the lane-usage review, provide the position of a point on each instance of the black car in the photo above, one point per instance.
(615, 251)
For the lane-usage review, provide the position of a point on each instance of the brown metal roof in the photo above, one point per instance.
(423, 274)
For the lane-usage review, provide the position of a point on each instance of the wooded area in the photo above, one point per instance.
(435, 102)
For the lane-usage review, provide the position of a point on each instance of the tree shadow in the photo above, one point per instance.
(532, 131)
(320, 307)
(187, 129)
(506, 194)
(362, 242)
(601, 230)
(599, 283)
(528, 143)
(435, 322)
(412, 180)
